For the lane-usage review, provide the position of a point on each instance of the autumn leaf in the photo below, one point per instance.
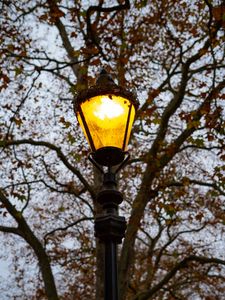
(18, 121)
(66, 124)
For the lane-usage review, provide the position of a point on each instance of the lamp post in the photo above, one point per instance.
(106, 113)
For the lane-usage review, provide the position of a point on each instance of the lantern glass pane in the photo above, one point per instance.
(106, 117)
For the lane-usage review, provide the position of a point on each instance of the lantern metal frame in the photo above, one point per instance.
(105, 86)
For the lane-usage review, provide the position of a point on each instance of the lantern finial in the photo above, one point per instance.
(104, 78)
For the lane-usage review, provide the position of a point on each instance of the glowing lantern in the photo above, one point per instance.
(106, 113)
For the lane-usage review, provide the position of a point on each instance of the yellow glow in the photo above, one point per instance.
(106, 117)
(108, 109)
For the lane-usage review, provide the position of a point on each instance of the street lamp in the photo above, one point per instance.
(106, 113)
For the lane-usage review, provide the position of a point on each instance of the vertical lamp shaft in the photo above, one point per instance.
(110, 229)
(111, 281)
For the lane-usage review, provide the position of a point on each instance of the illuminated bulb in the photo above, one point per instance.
(108, 109)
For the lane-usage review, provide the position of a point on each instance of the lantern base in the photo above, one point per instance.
(109, 156)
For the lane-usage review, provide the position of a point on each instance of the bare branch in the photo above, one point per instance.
(198, 182)
(173, 148)
(65, 39)
(59, 154)
(180, 265)
(25, 231)
(91, 34)
(66, 227)
(178, 98)
(7, 229)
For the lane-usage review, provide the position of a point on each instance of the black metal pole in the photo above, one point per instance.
(110, 229)
(111, 282)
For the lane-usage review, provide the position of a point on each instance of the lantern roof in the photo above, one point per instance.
(105, 85)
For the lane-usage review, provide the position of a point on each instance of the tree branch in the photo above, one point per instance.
(173, 148)
(180, 265)
(7, 229)
(59, 154)
(91, 34)
(179, 96)
(198, 182)
(66, 227)
(65, 40)
(27, 234)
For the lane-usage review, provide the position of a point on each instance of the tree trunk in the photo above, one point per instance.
(43, 260)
